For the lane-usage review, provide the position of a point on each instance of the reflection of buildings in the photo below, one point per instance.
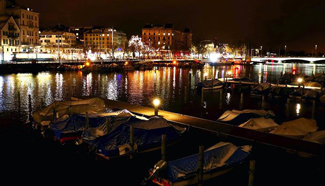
(165, 37)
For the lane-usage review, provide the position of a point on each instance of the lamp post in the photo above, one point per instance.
(300, 80)
(261, 51)
(315, 50)
(156, 103)
(285, 50)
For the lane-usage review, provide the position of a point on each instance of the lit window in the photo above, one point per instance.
(158, 42)
(164, 33)
(169, 34)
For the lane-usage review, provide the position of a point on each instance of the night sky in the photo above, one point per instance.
(272, 24)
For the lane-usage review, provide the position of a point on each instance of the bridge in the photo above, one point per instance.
(285, 59)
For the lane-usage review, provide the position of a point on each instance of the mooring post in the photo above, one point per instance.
(87, 120)
(241, 105)
(131, 141)
(221, 99)
(200, 165)
(30, 107)
(313, 110)
(41, 103)
(263, 101)
(202, 96)
(54, 113)
(251, 178)
(163, 147)
(288, 106)
(107, 125)
(185, 94)
(19, 102)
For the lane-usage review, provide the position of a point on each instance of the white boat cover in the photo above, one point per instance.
(230, 115)
(260, 124)
(312, 84)
(296, 128)
(317, 137)
(92, 105)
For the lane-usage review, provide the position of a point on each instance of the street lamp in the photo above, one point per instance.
(315, 50)
(285, 50)
(300, 80)
(156, 103)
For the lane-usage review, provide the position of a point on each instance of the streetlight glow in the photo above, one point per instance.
(156, 103)
(300, 80)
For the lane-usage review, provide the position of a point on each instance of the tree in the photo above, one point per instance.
(135, 45)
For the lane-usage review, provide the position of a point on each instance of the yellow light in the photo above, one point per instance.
(126, 63)
(205, 74)
(300, 80)
(174, 62)
(156, 102)
(87, 63)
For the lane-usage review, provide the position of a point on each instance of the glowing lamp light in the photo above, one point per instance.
(174, 62)
(300, 80)
(156, 103)
(126, 63)
(214, 57)
(87, 64)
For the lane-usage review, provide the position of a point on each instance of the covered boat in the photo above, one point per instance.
(260, 124)
(237, 117)
(261, 88)
(72, 128)
(61, 108)
(316, 137)
(210, 84)
(147, 137)
(296, 128)
(218, 160)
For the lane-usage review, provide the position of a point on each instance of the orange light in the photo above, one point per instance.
(174, 62)
(126, 63)
(87, 63)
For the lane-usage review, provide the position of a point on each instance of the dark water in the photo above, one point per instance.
(176, 88)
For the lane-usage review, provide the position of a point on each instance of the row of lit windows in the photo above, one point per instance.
(30, 33)
(96, 39)
(159, 33)
(29, 16)
(10, 42)
(98, 35)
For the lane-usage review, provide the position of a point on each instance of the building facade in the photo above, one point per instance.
(165, 37)
(103, 40)
(59, 41)
(9, 37)
(28, 22)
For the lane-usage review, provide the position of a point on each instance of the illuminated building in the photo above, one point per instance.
(26, 19)
(9, 37)
(104, 39)
(165, 37)
(60, 39)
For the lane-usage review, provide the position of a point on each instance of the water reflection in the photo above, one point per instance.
(175, 86)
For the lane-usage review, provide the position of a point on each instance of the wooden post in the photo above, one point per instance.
(185, 94)
(202, 96)
(200, 165)
(18, 102)
(30, 108)
(221, 99)
(251, 172)
(42, 103)
(313, 109)
(288, 107)
(163, 147)
(241, 104)
(131, 141)
(54, 113)
(107, 125)
(87, 120)
(263, 101)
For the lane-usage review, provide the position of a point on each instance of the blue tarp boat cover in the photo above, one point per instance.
(147, 135)
(77, 123)
(237, 117)
(219, 156)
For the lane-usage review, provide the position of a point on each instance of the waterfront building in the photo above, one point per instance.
(27, 20)
(59, 41)
(9, 37)
(167, 39)
(104, 40)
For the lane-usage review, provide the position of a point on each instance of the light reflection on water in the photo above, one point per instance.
(175, 86)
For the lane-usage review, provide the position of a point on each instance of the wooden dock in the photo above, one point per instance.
(255, 137)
